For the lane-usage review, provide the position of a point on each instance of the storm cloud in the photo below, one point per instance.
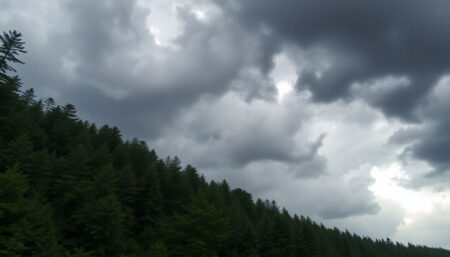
(429, 140)
(390, 53)
(359, 42)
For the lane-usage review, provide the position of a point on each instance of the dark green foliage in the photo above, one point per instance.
(70, 189)
(26, 226)
(13, 210)
(41, 239)
(202, 230)
(101, 226)
(158, 249)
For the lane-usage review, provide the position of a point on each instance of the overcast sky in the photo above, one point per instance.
(338, 110)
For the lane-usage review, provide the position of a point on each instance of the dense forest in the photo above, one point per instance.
(70, 188)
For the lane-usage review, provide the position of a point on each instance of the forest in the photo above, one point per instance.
(71, 188)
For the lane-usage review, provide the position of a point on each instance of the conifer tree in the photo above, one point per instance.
(11, 45)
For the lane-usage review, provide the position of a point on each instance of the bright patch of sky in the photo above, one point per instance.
(284, 74)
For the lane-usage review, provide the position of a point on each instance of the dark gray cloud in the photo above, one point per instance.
(363, 40)
(430, 140)
(433, 143)
(390, 217)
(434, 146)
(337, 210)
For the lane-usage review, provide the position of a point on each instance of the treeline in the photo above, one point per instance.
(70, 188)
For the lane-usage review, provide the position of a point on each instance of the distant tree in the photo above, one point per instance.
(49, 104)
(28, 96)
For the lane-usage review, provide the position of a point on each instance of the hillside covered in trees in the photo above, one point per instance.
(70, 188)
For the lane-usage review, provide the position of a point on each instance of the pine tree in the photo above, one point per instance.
(11, 46)
(10, 105)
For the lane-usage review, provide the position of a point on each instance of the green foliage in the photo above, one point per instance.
(70, 189)
(19, 152)
(26, 226)
(158, 249)
(100, 222)
(40, 234)
(13, 209)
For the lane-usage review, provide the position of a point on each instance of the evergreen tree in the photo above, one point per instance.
(11, 45)
(9, 107)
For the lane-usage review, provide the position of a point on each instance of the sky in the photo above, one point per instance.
(337, 110)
